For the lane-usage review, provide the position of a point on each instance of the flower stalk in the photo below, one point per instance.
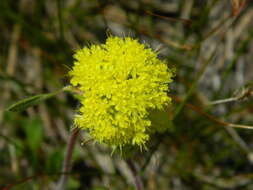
(137, 178)
(67, 160)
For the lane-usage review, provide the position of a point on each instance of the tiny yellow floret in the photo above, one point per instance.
(121, 81)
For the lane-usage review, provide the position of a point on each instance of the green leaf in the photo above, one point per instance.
(34, 133)
(73, 184)
(54, 161)
(28, 102)
(34, 100)
(160, 120)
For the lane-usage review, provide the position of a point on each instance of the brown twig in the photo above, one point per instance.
(210, 117)
(67, 160)
(27, 179)
(137, 179)
(184, 21)
(237, 6)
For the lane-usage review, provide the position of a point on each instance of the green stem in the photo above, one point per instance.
(59, 14)
(193, 86)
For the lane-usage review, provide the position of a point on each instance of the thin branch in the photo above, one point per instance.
(151, 152)
(243, 145)
(227, 100)
(210, 117)
(183, 20)
(59, 14)
(194, 85)
(27, 179)
(217, 28)
(67, 160)
(246, 93)
(137, 179)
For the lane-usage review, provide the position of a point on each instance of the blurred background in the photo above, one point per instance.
(210, 42)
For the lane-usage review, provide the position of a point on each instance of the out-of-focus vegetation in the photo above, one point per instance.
(210, 42)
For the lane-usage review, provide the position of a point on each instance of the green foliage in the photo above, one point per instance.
(28, 102)
(73, 184)
(34, 133)
(54, 161)
(160, 120)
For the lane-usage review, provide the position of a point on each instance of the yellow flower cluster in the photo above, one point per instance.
(120, 82)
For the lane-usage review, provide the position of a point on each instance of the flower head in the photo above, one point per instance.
(121, 81)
